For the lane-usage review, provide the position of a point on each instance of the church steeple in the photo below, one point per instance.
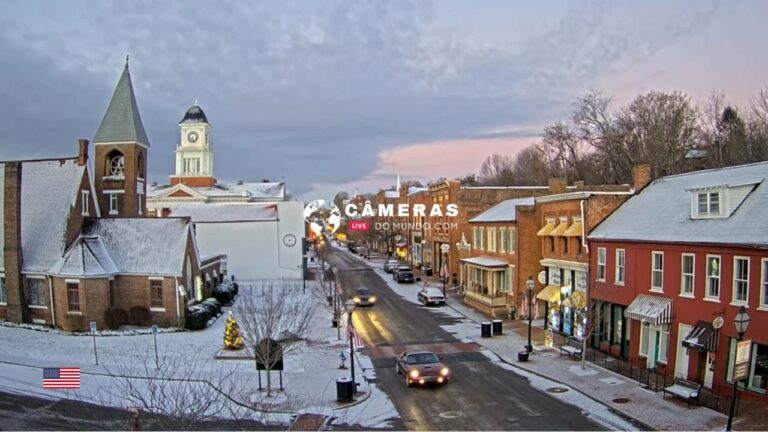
(122, 122)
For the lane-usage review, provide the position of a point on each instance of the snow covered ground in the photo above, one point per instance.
(309, 378)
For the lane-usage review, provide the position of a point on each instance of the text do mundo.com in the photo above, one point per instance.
(402, 226)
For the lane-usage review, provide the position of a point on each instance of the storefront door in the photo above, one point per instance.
(682, 358)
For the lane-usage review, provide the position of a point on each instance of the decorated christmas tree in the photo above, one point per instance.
(232, 339)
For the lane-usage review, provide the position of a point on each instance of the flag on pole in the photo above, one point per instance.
(536, 309)
(357, 341)
(524, 306)
(444, 271)
(61, 378)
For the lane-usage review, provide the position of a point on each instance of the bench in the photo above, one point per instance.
(573, 348)
(684, 389)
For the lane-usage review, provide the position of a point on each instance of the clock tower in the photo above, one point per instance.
(194, 156)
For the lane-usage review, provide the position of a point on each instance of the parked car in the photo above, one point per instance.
(431, 296)
(364, 297)
(422, 368)
(399, 269)
(390, 265)
(404, 276)
(212, 305)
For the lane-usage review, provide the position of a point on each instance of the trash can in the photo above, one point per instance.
(496, 327)
(428, 271)
(522, 356)
(485, 329)
(344, 390)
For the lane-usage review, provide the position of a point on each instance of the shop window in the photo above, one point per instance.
(740, 280)
(35, 292)
(713, 277)
(620, 258)
(657, 274)
(601, 264)
(156, 293)
(73, 296)
(686, 284)
(663, 342)
(758, 369)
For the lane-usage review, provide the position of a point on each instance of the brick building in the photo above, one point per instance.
(75, 251)
(672, 267)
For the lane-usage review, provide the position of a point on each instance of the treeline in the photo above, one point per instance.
(599, 144)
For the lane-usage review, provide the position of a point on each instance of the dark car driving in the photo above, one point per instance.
(404, 276)
(422, 368)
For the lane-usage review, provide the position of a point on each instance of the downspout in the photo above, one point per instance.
(178, 315)
(53, 305)
(589, 285)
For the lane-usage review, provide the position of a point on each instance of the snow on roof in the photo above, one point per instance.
(265, 191)
(503, 211)
(391, 194)
(662, 211)
(147, 246)
(227, 213)
(86, 257)
(49, 190)
(412, 190)
(485, 261)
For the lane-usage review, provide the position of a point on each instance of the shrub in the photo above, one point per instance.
(140, 316)
(197, 319)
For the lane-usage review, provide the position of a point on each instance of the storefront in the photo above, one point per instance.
(566, 301)
(654, 316)
(757, 380)
(487, 282)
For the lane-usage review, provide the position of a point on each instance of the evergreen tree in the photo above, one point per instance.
(232, 339)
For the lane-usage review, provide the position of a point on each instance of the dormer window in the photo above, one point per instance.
(709, 203)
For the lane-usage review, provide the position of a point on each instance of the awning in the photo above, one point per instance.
(574, 230)
(484, 261)
(703, 337)
(560, 228)
(550, 293)
(546, 229)
(652, 309)
(402, 244)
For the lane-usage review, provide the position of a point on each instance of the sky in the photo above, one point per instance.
(343, 95)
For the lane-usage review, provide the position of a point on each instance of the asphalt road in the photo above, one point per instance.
(480, 396)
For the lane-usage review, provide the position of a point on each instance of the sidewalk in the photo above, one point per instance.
(645, 408)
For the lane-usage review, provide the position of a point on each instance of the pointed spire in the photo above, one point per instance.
(196, 102)
(398, 181)
(122, 122)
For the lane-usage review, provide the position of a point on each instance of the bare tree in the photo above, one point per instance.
(274, 312)
(757, 126)
(496, 170)
(562, 149)
(530, 168)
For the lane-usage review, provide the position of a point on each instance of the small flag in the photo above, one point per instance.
(524, 306)
(352, 334)
(61, 378)
(536, 309)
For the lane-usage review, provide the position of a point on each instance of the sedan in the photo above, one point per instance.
(390, 265)
(398, 269)
(422, 368)
(364, 297)
(431, 296)
(404, 276)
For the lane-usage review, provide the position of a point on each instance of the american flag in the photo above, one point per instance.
(352, 334)
(61, 378)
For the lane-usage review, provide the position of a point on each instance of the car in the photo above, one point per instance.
(404, 276)
(431, 296)
(390, 265)
(364, 297)
(399, 269)
(422, 368)
(351, 247)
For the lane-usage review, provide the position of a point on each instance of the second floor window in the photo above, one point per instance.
(708, 203)
(657, 280)
(764, 285)
(713, 277)
(740, 280)
(686, 284)
(601, 264)
(502, 240)
(620, 266)
(512, 244)
(492, 239)
(35, 292)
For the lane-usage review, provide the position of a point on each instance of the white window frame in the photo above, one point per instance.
(3, 290)
(84, 199)
(502, 240)
(621, 267)
(645, 336)
(482, 238)
(44, 305)
(475, 234)
(113, 204)
(734, 300)
(601, 266)
(663, 343)
(654, 271)
(707, 295)
(708, 202)
(491, 239)
(683, 275)
(764, 284)
(512, 244)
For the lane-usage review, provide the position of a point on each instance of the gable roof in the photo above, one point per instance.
(264, 191)
(49, 191)
(122, 122)
(503, 211)
(86, 257)
(146, 246)
(662, 211)
(227, 213)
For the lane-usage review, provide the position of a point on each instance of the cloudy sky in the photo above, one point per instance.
(332, 95)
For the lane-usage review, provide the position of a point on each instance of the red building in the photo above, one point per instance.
(671, 268)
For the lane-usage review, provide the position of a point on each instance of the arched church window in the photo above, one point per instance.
(115, 164)
(140, 163)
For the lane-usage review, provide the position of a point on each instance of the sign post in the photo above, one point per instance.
(92, 327)
(154, 336)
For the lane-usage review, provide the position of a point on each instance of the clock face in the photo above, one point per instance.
(289, 240)
(192, 137)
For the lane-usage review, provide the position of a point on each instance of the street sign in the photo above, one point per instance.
(718, 322)
(741, 371)
(741, 363)
(154, 329)
(445, 248)
(92, 326)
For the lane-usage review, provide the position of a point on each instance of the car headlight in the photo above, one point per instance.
(356, 299)
(414, 373)
(444, 371)
(372, 299)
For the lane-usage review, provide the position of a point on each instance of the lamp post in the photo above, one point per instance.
(741, 322)
(350, 306)
(530, 284)
(336, 301)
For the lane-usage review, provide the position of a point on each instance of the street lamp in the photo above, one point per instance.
(349, 305)
(741, 322)
(530, 284)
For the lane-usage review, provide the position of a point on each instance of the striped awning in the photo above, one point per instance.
(703, 337)
(652, 309)
(574, 230)
(550, 293)
(546, 229)
(560, 229)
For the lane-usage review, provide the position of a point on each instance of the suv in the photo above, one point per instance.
(404, 276)
(430, 296)
(398, 269)
(390, 265)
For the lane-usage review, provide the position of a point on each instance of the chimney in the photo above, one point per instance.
(557, 185)
(641, 176)
(82, 154)
(16, 308)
